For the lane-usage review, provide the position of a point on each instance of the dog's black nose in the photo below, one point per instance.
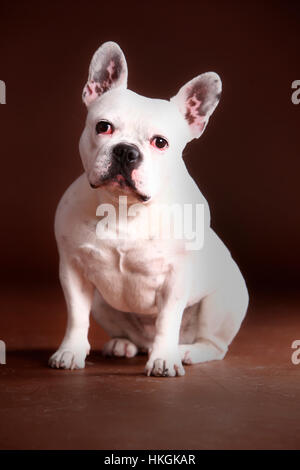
(126, 153)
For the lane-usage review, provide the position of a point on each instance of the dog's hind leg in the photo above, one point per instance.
(120, 347)
(219, 319)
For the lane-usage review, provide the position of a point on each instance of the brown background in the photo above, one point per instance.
(247, 162)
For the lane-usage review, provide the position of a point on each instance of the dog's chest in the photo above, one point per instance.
(127, 273)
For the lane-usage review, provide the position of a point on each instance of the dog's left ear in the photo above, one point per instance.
(198, 99)
(108, 69)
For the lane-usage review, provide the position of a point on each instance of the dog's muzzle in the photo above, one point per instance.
(125, 158)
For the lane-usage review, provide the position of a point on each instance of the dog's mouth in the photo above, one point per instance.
(122, 184)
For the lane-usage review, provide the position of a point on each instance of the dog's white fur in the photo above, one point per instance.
(180, 306)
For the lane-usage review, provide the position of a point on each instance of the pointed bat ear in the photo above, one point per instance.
(108, 69)
(198, 99)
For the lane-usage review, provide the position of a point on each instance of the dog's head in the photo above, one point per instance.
(132, 144)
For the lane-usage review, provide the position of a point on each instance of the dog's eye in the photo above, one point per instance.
(159, 142)
(104, 127)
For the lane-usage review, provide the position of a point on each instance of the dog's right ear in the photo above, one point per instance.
(108, 69)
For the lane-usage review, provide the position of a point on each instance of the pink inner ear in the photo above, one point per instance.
(192, 115)
(111, 68)
(90, 92)
(107, 78)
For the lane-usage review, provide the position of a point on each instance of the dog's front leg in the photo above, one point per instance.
(164, 357)
(79, 295)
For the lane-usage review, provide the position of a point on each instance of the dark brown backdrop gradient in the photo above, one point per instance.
(246, 163)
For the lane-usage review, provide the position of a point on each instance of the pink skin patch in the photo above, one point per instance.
(119, 181)
(120, 178)
(135, 177)
(192, 114)
(140, 177)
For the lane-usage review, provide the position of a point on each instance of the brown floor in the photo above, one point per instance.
(249, 400)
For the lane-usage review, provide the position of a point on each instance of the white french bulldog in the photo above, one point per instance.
(149, 293)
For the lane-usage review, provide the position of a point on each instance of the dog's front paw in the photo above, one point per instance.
(164, 363)
(69, 357)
